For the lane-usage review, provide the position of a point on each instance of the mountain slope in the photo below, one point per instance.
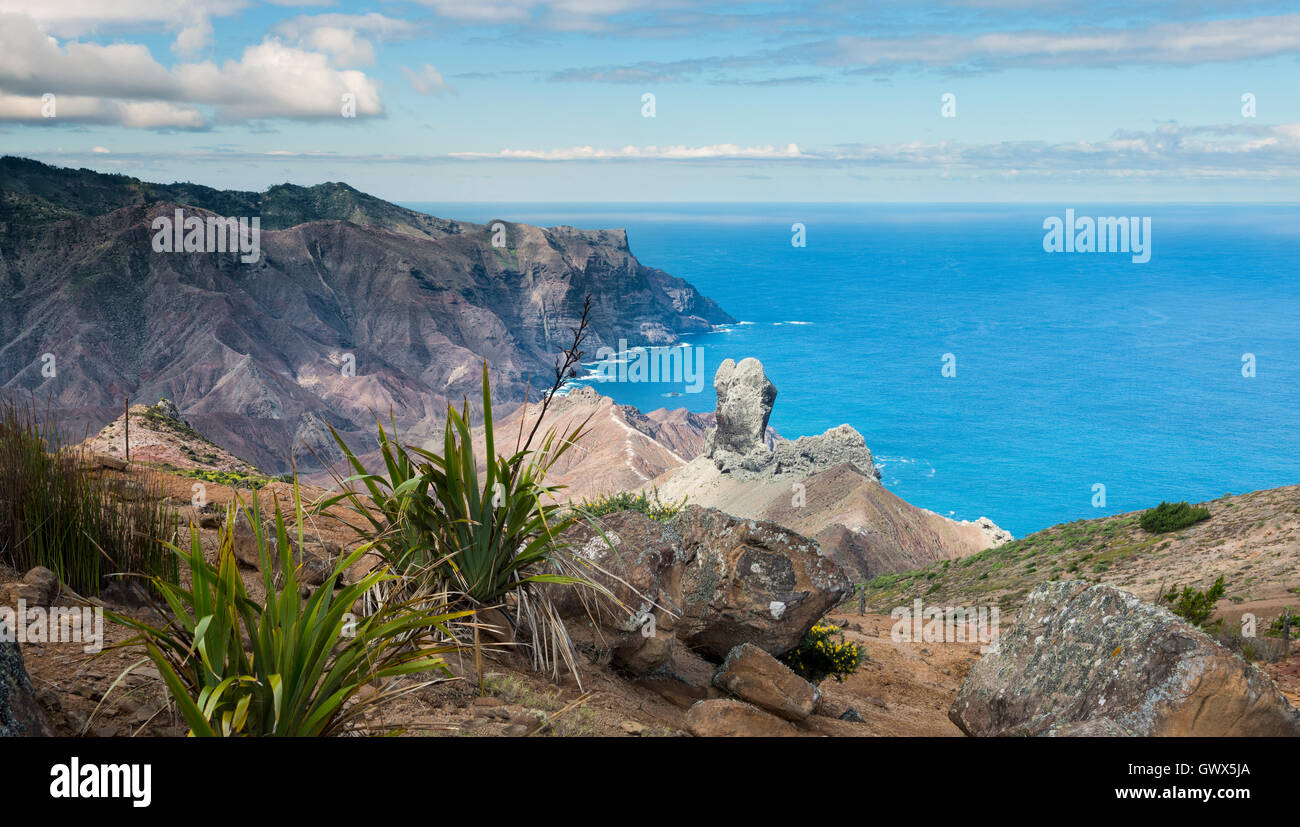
(1252, 540)
(356, 308)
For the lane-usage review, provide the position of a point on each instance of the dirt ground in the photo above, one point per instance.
(902, 689)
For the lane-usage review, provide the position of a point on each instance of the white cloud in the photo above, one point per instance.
(74, 18)
(714, 152)
(345, 37)
(1171, 153)
(194, 38)
(268, 80)
(76, 109)
(1206, 41)
(427, 81)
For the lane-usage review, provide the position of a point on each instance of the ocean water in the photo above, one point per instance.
(1072, 370)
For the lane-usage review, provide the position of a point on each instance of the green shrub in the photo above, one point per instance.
(493, 538)
(231, 479)
(1192, 605)
(287, 665)
(59, 512)
(650, 505)
(1275, 627)
(824, 653)
(1172, 516)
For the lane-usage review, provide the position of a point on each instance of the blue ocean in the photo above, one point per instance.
(1066, 371)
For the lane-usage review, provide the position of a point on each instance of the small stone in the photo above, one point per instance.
(853, 715)
(633, 728)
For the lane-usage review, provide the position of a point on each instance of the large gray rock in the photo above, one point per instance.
(751, 581)
(1082, 653)
(704, 579)
(810, 455)
(745, 398)
(639, 561)
(20, 714)
(737, 443)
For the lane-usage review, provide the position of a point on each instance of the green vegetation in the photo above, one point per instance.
(1084, 549)
(824, 653)
(650, 505)
(155, 415)
(58, 512)
(287, 665)
(233, 479)
(1172, 516)
(1193, 605)
(1275, 627)
(493, 539)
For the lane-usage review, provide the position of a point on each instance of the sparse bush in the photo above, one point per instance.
(1192, 605)
(824, 653)
(649, 505)
(1172, 516)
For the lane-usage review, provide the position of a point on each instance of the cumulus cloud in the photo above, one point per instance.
(74, 18)
(346, 38)
(268, 80)
(78, 109)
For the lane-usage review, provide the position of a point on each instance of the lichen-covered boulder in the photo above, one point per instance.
(1081, 653)
(704, 579)
(751, 581)
(638, 561)
(20, 713)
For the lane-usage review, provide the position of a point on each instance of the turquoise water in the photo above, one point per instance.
(1072, 370)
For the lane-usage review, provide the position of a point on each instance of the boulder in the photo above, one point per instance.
(39, 587)
(704, 579)
(20, 713)
(637, 559)
(1094, 654)
(684, 679)
(753, 675)
(750, 581)
(244, 539)
(745, 399)
(727, 718)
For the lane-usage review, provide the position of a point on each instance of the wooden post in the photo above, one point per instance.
(1286, 634)
(862, 600)
(126, 423)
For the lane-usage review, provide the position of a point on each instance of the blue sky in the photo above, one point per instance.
(528, 100)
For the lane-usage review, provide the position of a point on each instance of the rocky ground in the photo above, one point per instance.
(902, 689)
